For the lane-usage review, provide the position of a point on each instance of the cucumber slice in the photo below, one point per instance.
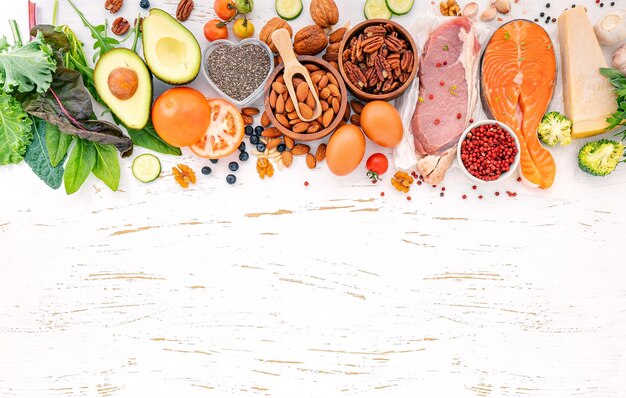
(376, 9)
(146, 167)
(288, 9)
(399, 7)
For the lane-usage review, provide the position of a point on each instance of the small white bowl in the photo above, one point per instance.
(503, 176)
(256, 93)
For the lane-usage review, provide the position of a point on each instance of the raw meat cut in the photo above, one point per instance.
(447, 96)
(518, 75)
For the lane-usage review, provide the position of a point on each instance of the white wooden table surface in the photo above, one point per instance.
(271, 288)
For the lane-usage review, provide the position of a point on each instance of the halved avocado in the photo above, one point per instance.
(170, 50)
(124, 83)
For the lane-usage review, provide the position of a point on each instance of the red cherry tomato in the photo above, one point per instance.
(225, 9)
(377, 165)
(215, 29)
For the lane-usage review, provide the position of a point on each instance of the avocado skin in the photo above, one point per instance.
(101, 83)
(186, 34)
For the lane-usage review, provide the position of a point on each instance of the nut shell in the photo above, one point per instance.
(324, 13)
(272, 25)
(310, 40)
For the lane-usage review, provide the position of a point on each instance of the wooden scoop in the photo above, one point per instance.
(282, 41)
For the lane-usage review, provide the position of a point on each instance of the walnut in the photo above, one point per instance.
(113, 6)
(120, 26)
(324, 13)
(310, 40)
(272, 25)
(184, 9)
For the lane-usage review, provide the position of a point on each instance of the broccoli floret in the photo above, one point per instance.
(555, 127)
(600, 158)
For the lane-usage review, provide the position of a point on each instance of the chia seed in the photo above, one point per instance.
(238, 71)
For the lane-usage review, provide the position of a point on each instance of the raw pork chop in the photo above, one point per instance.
(447, 96)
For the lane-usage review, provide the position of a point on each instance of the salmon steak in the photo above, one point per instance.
(448, 94)
(518, 76)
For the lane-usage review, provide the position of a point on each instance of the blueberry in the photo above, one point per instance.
(233, 166)
(260, 147)
(231, 179)
(254, 139)
(258, 130)
(243, 156)
(249, 130)
(214, 161)
(206, 170)
(242, 146)
(281, 148)
(145, 4)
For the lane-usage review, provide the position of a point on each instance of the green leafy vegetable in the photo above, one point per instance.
(82, 160)
(57, 144)
(107, 166)
(148, 138)
(38, 159)
(103, 42)
(26, 68)
(56, 39)
(15, 130)
(68, 106)
(618, 80)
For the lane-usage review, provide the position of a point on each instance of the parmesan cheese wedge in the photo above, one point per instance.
(588, 95)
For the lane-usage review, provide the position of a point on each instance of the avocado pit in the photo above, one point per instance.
(123, 83)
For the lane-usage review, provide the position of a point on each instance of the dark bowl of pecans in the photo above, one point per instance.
(331, 92)
(378, 60)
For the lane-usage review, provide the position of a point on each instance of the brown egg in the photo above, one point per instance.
(382, 123)
(345, 150)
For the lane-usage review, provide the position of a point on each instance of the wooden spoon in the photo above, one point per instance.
(282, 41)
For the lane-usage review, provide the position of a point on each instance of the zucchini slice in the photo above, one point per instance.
(146, 167)
(288, 9)
(400, 7)
(376, 9)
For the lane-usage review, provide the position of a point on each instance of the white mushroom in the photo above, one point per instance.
(611, 28)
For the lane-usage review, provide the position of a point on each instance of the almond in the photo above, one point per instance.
(300, 149)
(328, 116)
(325, 93)
(280, 79)
(357, 106)
(335, 104)
(356, 119)
(247, 119)
(280, 104)
(316, 78)
(310, 101)
(305, 110)
(324, 105)
(265, 120)
(282, 120)
(292, 115)
(271, 132)
(300, 127)
(334, 90)
(314, 128)
(333, 48)
(273, 143)
(278, 87)
(287, 158)
(311, 67)
(346, 116)
(273, 98)
(318, 74)
(295, 121)
(337, 35)
(250, 111)
(289, 105)
(320, 154)
(323, 82)
(310, 161)
(332, 79)
(289, 143)
(302, 91)
(296, 81)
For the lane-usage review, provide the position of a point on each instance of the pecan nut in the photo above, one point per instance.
(120, 26)
(113, 6)
(184, 9)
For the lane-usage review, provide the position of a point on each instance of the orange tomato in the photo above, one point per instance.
(345, 150)
(215, 30)
(225, 131)
(180, 116)
(243, 28)
(382, 124)
(225, 9)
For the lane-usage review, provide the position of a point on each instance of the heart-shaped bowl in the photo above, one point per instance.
(259, 90)
(304, 60)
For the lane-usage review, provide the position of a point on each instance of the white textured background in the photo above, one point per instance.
(268, 288)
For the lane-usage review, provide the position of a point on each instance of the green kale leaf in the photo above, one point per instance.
(26, 68)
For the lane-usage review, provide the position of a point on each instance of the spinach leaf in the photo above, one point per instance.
(82, 160)
(57, 144)
(68, 106)
(15, 130)
(102, 43)
(38, 159)
(26, 68)
(107, 167)
(148, 138)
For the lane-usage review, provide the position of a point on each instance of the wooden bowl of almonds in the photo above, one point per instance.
(332, 94)
(378, 60)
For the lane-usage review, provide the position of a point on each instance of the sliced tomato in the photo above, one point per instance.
(225, 131)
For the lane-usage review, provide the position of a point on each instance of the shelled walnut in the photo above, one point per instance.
(450, 8)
